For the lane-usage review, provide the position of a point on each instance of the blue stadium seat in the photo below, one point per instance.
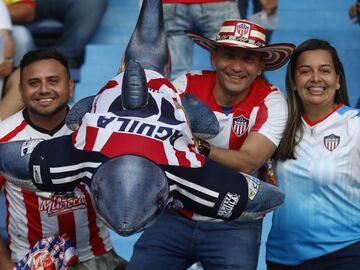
(47, 26)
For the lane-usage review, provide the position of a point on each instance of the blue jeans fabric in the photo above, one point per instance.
(175, 243)
(205, 19)
(344, 259)
(244, 6)
(80, 18)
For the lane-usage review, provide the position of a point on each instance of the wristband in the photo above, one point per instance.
(203, 148)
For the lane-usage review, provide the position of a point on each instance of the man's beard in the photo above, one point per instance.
(58, 109)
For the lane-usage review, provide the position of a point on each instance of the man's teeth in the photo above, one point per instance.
(45, 100)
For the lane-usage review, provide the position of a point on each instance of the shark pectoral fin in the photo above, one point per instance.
(15, 160)
(78, 111)
(203, 121)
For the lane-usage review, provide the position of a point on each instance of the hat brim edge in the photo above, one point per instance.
(209, 45)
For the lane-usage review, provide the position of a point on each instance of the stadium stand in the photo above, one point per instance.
(297, 22)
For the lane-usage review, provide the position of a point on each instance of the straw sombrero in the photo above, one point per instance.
(248, 35)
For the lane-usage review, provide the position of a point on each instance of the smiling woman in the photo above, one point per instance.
(316, 83)
(319, 57)
(317, 227)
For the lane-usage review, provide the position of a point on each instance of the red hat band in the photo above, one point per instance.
(234, 32)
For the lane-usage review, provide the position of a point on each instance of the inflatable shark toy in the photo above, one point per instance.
(132, 181)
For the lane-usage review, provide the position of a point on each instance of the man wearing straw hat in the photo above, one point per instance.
(252, 114)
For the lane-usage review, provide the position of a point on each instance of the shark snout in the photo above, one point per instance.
(129, 192)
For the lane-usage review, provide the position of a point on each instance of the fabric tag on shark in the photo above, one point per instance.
(37, 174)
(253, 185)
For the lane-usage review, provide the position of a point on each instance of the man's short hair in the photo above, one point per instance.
(44, 54)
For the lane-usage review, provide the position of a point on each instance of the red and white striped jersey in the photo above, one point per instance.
(32, 216)
(263, 110)
(158, 131)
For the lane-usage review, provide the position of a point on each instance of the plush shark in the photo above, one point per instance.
(130, 190)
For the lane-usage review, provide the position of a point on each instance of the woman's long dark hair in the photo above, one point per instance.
(295, 108)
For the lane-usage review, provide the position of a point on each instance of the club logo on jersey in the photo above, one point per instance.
(57, 205)
(331, 141)
(240, 125)
(242, 30)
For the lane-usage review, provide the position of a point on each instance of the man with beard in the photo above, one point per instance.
(45, 87)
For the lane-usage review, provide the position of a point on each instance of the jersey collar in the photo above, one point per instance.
(45, 131)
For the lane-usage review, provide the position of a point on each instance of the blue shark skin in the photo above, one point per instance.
(203, 122)
(77, 112)
(148, 45)
(129, 192)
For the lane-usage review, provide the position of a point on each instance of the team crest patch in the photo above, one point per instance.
(331, 141)
(240, 125)
(242, 30)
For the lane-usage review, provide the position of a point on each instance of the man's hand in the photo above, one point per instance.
(270, 6)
